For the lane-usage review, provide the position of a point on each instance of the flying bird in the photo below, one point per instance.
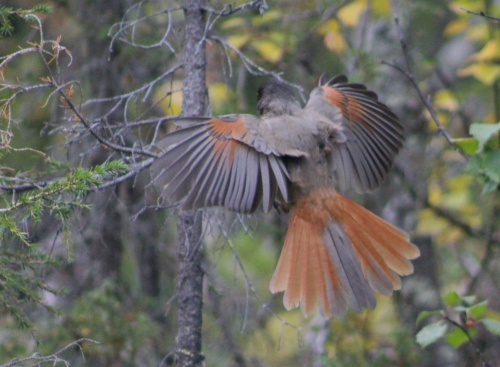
(336, 253)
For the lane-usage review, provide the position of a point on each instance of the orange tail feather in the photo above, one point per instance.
(336, 253)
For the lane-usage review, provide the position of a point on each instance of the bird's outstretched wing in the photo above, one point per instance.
(220, 161)
(373, 133)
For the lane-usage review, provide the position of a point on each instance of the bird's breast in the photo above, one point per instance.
(311, 136)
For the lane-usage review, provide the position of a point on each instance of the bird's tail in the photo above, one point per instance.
(336, 253)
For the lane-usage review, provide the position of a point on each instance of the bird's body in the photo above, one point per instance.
(335, 252)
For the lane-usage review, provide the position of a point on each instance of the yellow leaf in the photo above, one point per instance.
(237, 22)
(325, 27)
(169, 98)
(334, 40)
(460, 183)
(382, 7)
(444, 117)
(456, 26)
(458, 6)
(430, 224)
(238, 40)
(490, 52)
(350, 14)
(435, 194)
(220, 94)
(277, 335)
(478, 32)
(277, 37)
(485, 73)
(445, 100)
(268, 17)
(268, 50)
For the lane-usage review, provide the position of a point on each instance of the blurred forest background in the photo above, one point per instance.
(87, 252)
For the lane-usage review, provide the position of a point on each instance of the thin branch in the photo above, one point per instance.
(100, 139)
(487, 257)
(50, 81)
(490, 235)
(454, 220)
(408, 73)
(482, 14)
(11, 57)
(53, 358)
(471, 340)
(254, 68)
(229, 9)
(145, 87)
(449, 216)
(24, 187)
(123, 26)
(223, 320)
(251, 66)
(248, 281)
(131, 172)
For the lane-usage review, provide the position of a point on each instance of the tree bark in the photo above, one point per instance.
(190, 283)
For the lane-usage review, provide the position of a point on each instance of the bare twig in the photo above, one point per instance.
(252, 67)
(59, 88)
(7, 59)
(224, 322)
(408, 73)
(493, 241)
(100, 139)
(451, 217)
(482, 14)
(248, 281)
(229, 9)
(54, 359)
(124, 26)
(131, 172)
(146, 89)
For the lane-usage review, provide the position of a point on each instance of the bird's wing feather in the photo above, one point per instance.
(221, 161)
(373, 133)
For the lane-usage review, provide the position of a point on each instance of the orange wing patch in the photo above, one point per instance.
(351, 109)
(234, 129)
(224, 133)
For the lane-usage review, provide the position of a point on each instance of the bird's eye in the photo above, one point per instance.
(259, 93)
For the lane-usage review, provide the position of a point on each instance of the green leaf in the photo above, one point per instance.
(468, 145)
(478, 310)
(452, 299)
(489, 186)
(493, 326)
(431, 333)
(456, 338)
(425, 314)
(469, 300)
(491, 165)
(486, 167)
(483, 132)
(460, 308)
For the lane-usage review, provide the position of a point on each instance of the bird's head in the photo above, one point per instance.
(277, 98)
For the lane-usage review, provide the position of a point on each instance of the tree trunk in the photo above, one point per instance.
(190, 283)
